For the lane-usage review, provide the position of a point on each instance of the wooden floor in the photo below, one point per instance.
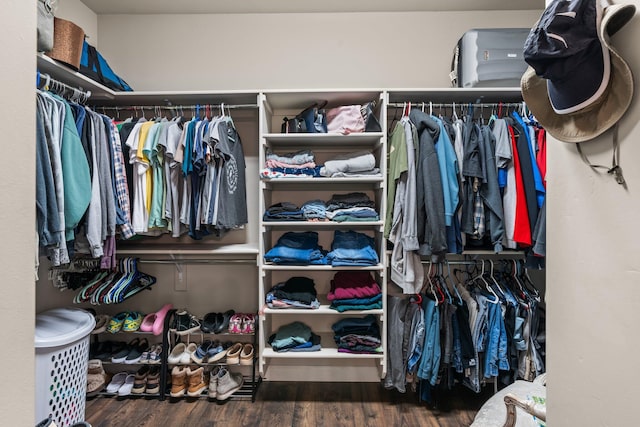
(294, 404)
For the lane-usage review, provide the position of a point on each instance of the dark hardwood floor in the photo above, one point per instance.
(280, 404)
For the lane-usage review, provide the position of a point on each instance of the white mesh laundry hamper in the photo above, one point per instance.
(62, 355)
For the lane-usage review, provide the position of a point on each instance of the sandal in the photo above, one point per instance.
(147, 323)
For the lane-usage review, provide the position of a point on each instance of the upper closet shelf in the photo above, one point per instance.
(461, 95)
(73, 78)
(103, 96)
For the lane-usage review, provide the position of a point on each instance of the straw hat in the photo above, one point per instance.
(577, 85)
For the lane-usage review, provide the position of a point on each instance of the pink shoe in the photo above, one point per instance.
(154, 322)
(248, 324)
(235, 324)
(147, 322)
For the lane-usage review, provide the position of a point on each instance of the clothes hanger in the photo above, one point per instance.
(453, 286)
(480, 278)
(443, 284)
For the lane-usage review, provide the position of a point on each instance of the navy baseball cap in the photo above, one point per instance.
(577, 85)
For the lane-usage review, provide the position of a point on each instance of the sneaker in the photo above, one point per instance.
(248, 324)
(233, 354)
(196, 382)
(178, 381)
(140, 380)
(153, 380)
(213, 382)
(235, 324)
(116, 322)
(132, 321)
(137, 349)
(246, 355)
(228, 383)
(155, 354)
(185, 323)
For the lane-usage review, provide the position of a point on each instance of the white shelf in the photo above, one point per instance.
(321, 224)
(329, 351)
(276, 267)
(324, 353)
(73, 78)
(239, 250)
(333, 140)
(324, 309)
(325, 181)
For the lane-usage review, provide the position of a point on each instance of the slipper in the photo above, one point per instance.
(116, 382)
(158, 324)
(102, 320)
(224, 323)
(209, 323)
(126, 388)
(147, 322)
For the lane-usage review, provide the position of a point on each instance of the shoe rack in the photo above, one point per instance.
(249, 371)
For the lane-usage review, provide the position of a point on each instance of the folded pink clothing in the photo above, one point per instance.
(270, 163)
(352, 279)
(347, 293)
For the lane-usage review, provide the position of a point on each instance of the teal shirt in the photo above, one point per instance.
(75, 173)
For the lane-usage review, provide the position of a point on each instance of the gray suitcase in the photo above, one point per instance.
(490, 57)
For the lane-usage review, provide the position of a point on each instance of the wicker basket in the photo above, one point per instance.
(67, 43)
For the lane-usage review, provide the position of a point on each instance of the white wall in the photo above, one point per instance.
(593, 274)
(76, 12)
(286, 51)
(17, 216)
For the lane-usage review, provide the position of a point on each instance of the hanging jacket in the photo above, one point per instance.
(490, 191)
(430, 198)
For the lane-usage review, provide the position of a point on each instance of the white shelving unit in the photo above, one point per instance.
(327, 364)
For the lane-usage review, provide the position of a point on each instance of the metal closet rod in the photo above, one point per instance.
(201, 107)
(46, 81)
(457, 104)
(197, 261)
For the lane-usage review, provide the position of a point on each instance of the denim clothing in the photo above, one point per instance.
(352, 248)
(313, 344)
(314, 209)
(414, 321)
(359, 212)
(495, 357)
(430, 361)
(311, 172)
(349, 218)
(296, 248)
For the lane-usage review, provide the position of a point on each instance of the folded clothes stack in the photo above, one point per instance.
(354, 290)
(358, 335)
(296, 292)
(295, 336)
